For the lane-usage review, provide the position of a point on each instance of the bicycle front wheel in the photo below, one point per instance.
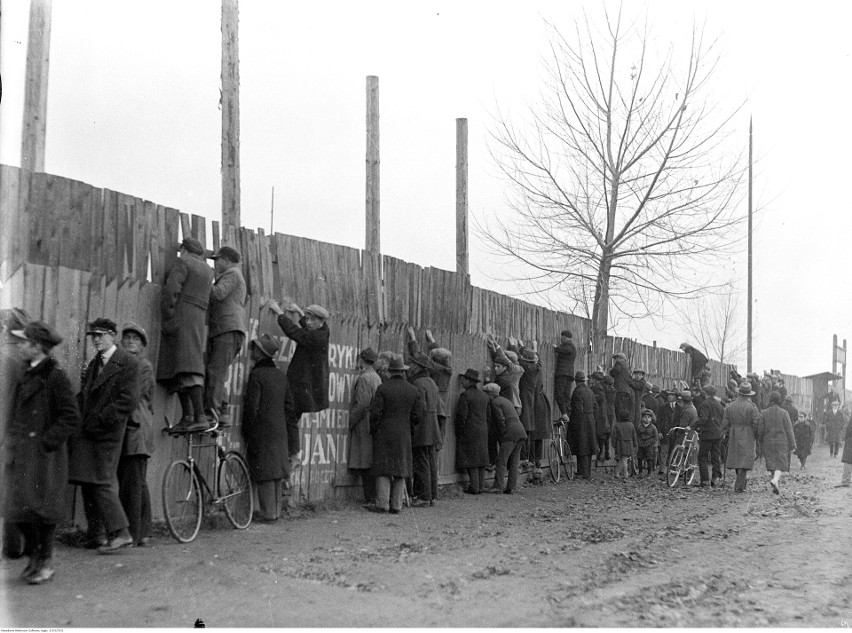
(182, 507)
(567, 460)
(234, 490)
(675, 466)
(553, 461)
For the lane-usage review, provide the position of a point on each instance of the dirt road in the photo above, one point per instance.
(581, 553)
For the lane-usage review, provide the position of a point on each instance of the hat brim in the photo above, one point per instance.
(255, 343)
(99, 330)
(750, 393)
(21, 334)
(139, 333)
(477, 379)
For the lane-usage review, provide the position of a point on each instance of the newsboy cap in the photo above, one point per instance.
(102, 326)
(368, 355)
(317, 311)
(491, 387)
(566, 333)
(226, 252)
(138, 329)
(39, 332)
(192, 245)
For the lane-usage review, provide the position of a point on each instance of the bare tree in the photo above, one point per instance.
(623, 183)
(714, 324)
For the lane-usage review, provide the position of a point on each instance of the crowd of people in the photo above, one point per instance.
(102, 437)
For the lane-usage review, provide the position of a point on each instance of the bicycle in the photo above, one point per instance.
(185, 488)
(559, 457)
(684, 458)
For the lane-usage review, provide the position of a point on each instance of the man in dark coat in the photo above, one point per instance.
(639, 386)
(621, 375)
(834, 423)
(566, 354)
(360, 458)
(472, 422)
(846, 459)
(740, 422)
(226, 318)
(697, 361)
(426, 436)
(665, 422)
(511, 435)
(44, 416)
(440, 370)
(582, 435)
(183, 304)
(790, 408)
(109, 393)
(603, 425)
(307, 375)
(709, 426)
(535, 408)
(396, 408)
(265, 416)
(138, 442)
(804, 436)
(650, 400)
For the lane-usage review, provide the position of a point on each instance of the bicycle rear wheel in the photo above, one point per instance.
(675, 466)
(690, 470)
(234, 490)
(182, 507)
(567, 460)
(553, 461)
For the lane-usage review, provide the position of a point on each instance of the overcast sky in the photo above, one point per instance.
(133, 106)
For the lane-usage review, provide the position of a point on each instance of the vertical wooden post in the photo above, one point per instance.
(373, 235)
(750, 291)
(35, 95)
(844, 372)
(230, 102)
(462, 258)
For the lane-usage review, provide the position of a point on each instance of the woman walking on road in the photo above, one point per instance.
(775, 435)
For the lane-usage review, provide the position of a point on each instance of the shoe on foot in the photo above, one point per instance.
(774, 487)
(116, 543)
(508, 491)
(394, 511)
(841, 485)
(198, 426)
(41, 576)
(375, 509)
(30, 569)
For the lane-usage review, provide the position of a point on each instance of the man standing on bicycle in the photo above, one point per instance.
(709, 427)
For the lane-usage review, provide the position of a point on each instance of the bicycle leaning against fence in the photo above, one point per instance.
(187, 494)
(559, 457)
(684, 457)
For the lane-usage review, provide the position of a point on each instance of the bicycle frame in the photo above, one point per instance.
(211, 493)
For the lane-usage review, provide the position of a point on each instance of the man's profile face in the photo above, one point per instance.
(312, 322)
(103, 341)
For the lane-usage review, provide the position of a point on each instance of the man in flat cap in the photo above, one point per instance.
(183, 302)
(360, 458)
(44, 416)
(307, 374)
(109, 393)
(566, 354)
(226, 320)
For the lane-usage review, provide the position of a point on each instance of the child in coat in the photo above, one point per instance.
(649, 441)
(624, 442)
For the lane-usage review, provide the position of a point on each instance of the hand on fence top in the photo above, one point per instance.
(429, 336)
(295, 308)
(272, 304)
(411, 335)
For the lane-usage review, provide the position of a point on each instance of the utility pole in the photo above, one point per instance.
(373, 236)
(750, 290)
(272, 213)
(462, 256)
(35, 93)
(230, 103)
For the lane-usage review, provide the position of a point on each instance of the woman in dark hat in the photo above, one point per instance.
(775, 435)
(44, 416)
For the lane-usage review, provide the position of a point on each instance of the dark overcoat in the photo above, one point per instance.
(106, 402)
(265, 408)
(603, 425)
(566, 354)
(711, 414)
(183, 305)
(625, 440)
(395, 410)
(531, 381)
(307, 374)
(650, 401)
(139, 435)
(44, 415)
(582, 435)
(360, 440)
(621, 376)
(775, 434)
(846, 458)
(428, 432)
(804, 436)
(834, 425)
(740, 421)
(473, 417)
(507, 423)
(665, 419)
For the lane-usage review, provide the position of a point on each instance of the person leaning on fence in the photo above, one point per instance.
(44, 415)
(511, 435)
(138, 443)
(740, 422)
(648, 440)
(697, 362)
(775, 435)
(440, 370)
(472, 423)
(360, 458)
(109, 394)
(307, 375)
(395, 409)
(711, 413)
(266, 408)
(426, 436)
(624, 443)
(183, 306)
(566, 354)
(226, 318)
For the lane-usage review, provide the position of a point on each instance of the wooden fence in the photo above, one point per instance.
(80, 252)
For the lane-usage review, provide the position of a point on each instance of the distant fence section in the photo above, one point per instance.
(79, 252)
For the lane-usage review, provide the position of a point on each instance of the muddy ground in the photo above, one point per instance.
(581, 553)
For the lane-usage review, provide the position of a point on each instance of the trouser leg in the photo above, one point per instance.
(185, 404)
(383, 491)
(847, 474)
(131, 480)
(45, 533)
(716, 458)
(704, 461)
(422, 472)
(476, 476)
(94, 522)
(397, 493)
(368, 483)
(513, 465)
(293, 437)
(196, 396)
(221, 351)
(108, 507)
(433, 473)
(584, 466)
(741, 481)
(506, 449)
(269, 498)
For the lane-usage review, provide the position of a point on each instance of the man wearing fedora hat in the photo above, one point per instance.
(308, 371)
(426, 436)
(472, 424)
(183, 305)
(226, 320)
(740, 421)
(108, 396)
(265, 407)
(395, 409)
(44, 415)
(360, 458)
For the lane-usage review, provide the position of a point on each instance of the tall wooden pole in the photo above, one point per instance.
(462, 256)
(230, 102)
(373, 235)
(35, 95)
(272, 213)
(750, 291)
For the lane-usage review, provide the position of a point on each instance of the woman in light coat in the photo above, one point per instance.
(775, 434)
